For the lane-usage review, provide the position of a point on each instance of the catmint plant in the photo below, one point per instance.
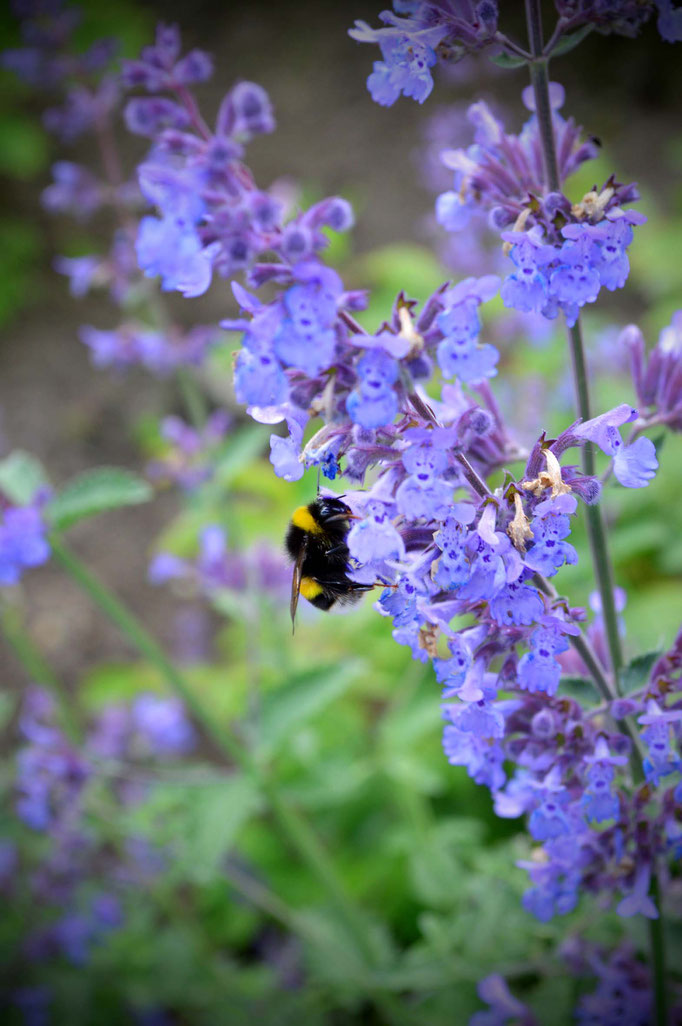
(467, 530)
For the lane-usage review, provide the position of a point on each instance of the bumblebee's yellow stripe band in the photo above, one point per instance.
(310, 589)
(303, 519)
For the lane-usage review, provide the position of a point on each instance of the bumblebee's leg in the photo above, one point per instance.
(368, 587)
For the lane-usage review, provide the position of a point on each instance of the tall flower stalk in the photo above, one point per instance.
(539, 76)
(405, 414)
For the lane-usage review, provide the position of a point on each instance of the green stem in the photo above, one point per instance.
(540, 81)
(193, 397)
(539, 75)
(657, 941)
(297, 830)
(596, 532)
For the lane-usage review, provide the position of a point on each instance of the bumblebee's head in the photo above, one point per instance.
(330, 508)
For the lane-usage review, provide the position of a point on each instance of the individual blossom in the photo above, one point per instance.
(538, 669)
(375, 538)
(634, 465)
(601, 800)
(374, 402)
(504, 1008)
(23, 540)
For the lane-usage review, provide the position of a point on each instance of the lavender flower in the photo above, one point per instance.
(409, 45)
(658, 378)
(563, 253)
(23, 541)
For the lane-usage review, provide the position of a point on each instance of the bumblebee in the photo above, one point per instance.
(316, 542)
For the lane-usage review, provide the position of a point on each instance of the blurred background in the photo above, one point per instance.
(214, 919)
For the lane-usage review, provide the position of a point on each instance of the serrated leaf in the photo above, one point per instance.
(21, 476)
(507, 60)
(636, 673)
(567, 43)
(302, 697)
(96, 491)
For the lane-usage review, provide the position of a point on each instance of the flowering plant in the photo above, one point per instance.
(465, 527)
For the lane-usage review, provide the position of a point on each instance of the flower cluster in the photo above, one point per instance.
(410, 46)
(430, 527)
(420, 33)
(563, 253)
(211, 216)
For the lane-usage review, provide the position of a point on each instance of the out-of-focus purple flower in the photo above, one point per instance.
(50, 774)
(159, 352)
(191, 454)
(163, 726)
(503, 1005)
(75, 191)
(23, 541)
(658, 377)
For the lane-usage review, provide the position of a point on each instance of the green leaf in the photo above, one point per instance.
(508, 60)
(218, 811)
(580, 688)
(636, 673)
(302, 697)
(21, 475)
(25, 149)
(567, 43)
(96, 491)
(240, 451)
(21, 248)
(434, 869)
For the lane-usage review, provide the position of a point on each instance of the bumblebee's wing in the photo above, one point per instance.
(296, 581)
